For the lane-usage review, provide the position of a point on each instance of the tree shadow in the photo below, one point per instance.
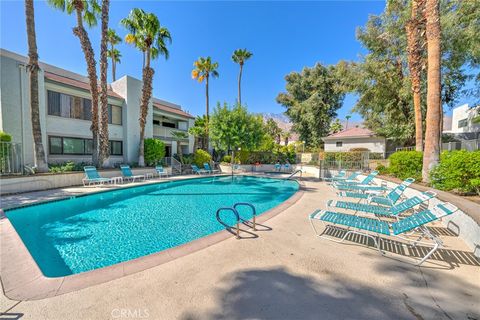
(278, 294)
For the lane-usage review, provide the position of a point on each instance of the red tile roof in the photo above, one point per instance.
(352, 133)
(76, 83)
(172, 110)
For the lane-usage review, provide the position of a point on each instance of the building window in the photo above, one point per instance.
(67, 106)
(156, 122)
(339, 144)
(116, 148)
(463, 123)
(79, 146)
(114, 114)
(169, 125)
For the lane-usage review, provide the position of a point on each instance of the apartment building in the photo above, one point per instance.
(65, 114)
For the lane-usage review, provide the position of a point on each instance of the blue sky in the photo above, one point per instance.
(283, 36)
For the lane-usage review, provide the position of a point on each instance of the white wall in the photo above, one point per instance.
(374, 144)
(465, 112)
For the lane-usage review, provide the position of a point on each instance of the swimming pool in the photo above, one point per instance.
(85, 233)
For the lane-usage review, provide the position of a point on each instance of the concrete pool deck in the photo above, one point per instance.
(284, 273)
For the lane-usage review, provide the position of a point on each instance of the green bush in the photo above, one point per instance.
(154, 151)
(5, 137)
(62, 167)
(406, 164)
(227, 159)
(456, 171)
(200, 157)
(475, 183)
(381, 168)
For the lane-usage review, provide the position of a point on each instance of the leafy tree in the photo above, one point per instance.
(114, 54)
(233, 128)
(86, 11)
(148, 36)
(312, 99)
(273, 129)
(240, 56)
(203, 69)
(286, 135)
(336, 126)
(179, 136)
(33, 67)
(154, 151)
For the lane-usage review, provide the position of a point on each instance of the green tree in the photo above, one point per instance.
(203, 69)
(286, 135)
(86, 11)
(179, 136)
(154, 151)
(114, 54)
(199, 132)
(240, 56)
(313, 96)
(148, 36)
(233, 128)
(273, 129)
(33, 68)
(336, 126)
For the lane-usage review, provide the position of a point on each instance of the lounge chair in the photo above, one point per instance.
(128, 175)
(378, 210)
(207, 167)
(92, 177)
(344, 178)
(287, 167)
(160, 171)
(374, 228)
(341, 175)
(197, 170)
(366, 181)
(389, 200)
(278, 167)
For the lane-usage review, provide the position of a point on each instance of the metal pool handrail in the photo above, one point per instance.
(297, 171)
(235, 212)
(253, 209)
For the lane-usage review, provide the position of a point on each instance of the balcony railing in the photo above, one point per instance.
(165, 132)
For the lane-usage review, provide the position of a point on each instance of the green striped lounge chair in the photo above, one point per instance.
(366, 181)
(389, 200)
(373, 228)
(207, 167)
(92, 177)
(161, 171)
(341, 175)
(197, 170)
(379, 210)
(128, 174)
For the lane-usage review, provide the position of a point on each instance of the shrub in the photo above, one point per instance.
(154, 151)
(5, 137)
(200, 157)
(475, 183)
(227, 159)
(62, 167)
(381, 168)
(456, 171)
(406, 164)
(360, 149)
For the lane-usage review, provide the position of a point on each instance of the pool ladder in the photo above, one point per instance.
(237, 216)
(297, 171)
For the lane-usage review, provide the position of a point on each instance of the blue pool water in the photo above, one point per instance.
(89, 232)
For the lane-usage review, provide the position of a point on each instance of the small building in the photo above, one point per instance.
(353, 138)
(65, 114)
(462, 122)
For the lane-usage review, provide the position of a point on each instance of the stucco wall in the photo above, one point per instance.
(374, 144)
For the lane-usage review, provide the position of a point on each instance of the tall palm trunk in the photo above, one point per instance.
(414, 29)
(146, 94)
(239, 84)
(34, 68)
(431, 155)
(205, 139)
(103, 150)
(82, 35)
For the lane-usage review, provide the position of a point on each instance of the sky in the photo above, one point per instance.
(283, 37)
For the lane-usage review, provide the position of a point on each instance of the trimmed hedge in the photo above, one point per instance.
(406, 164)
(458, 171)
(200, 157)
(154, 151)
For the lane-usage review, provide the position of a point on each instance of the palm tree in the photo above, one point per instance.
(179, 136)
(414, 28)
(286, 136)
(204, 67)
(86, 11)
(348, 118)
(147, 35)
(103, 138)
(240, 56)
(33, 67)
(431, 155)
(198, 131)
(114, 54)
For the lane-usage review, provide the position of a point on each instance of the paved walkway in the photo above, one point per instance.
(285, 273)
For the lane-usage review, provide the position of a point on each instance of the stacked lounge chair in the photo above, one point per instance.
(365, 182)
